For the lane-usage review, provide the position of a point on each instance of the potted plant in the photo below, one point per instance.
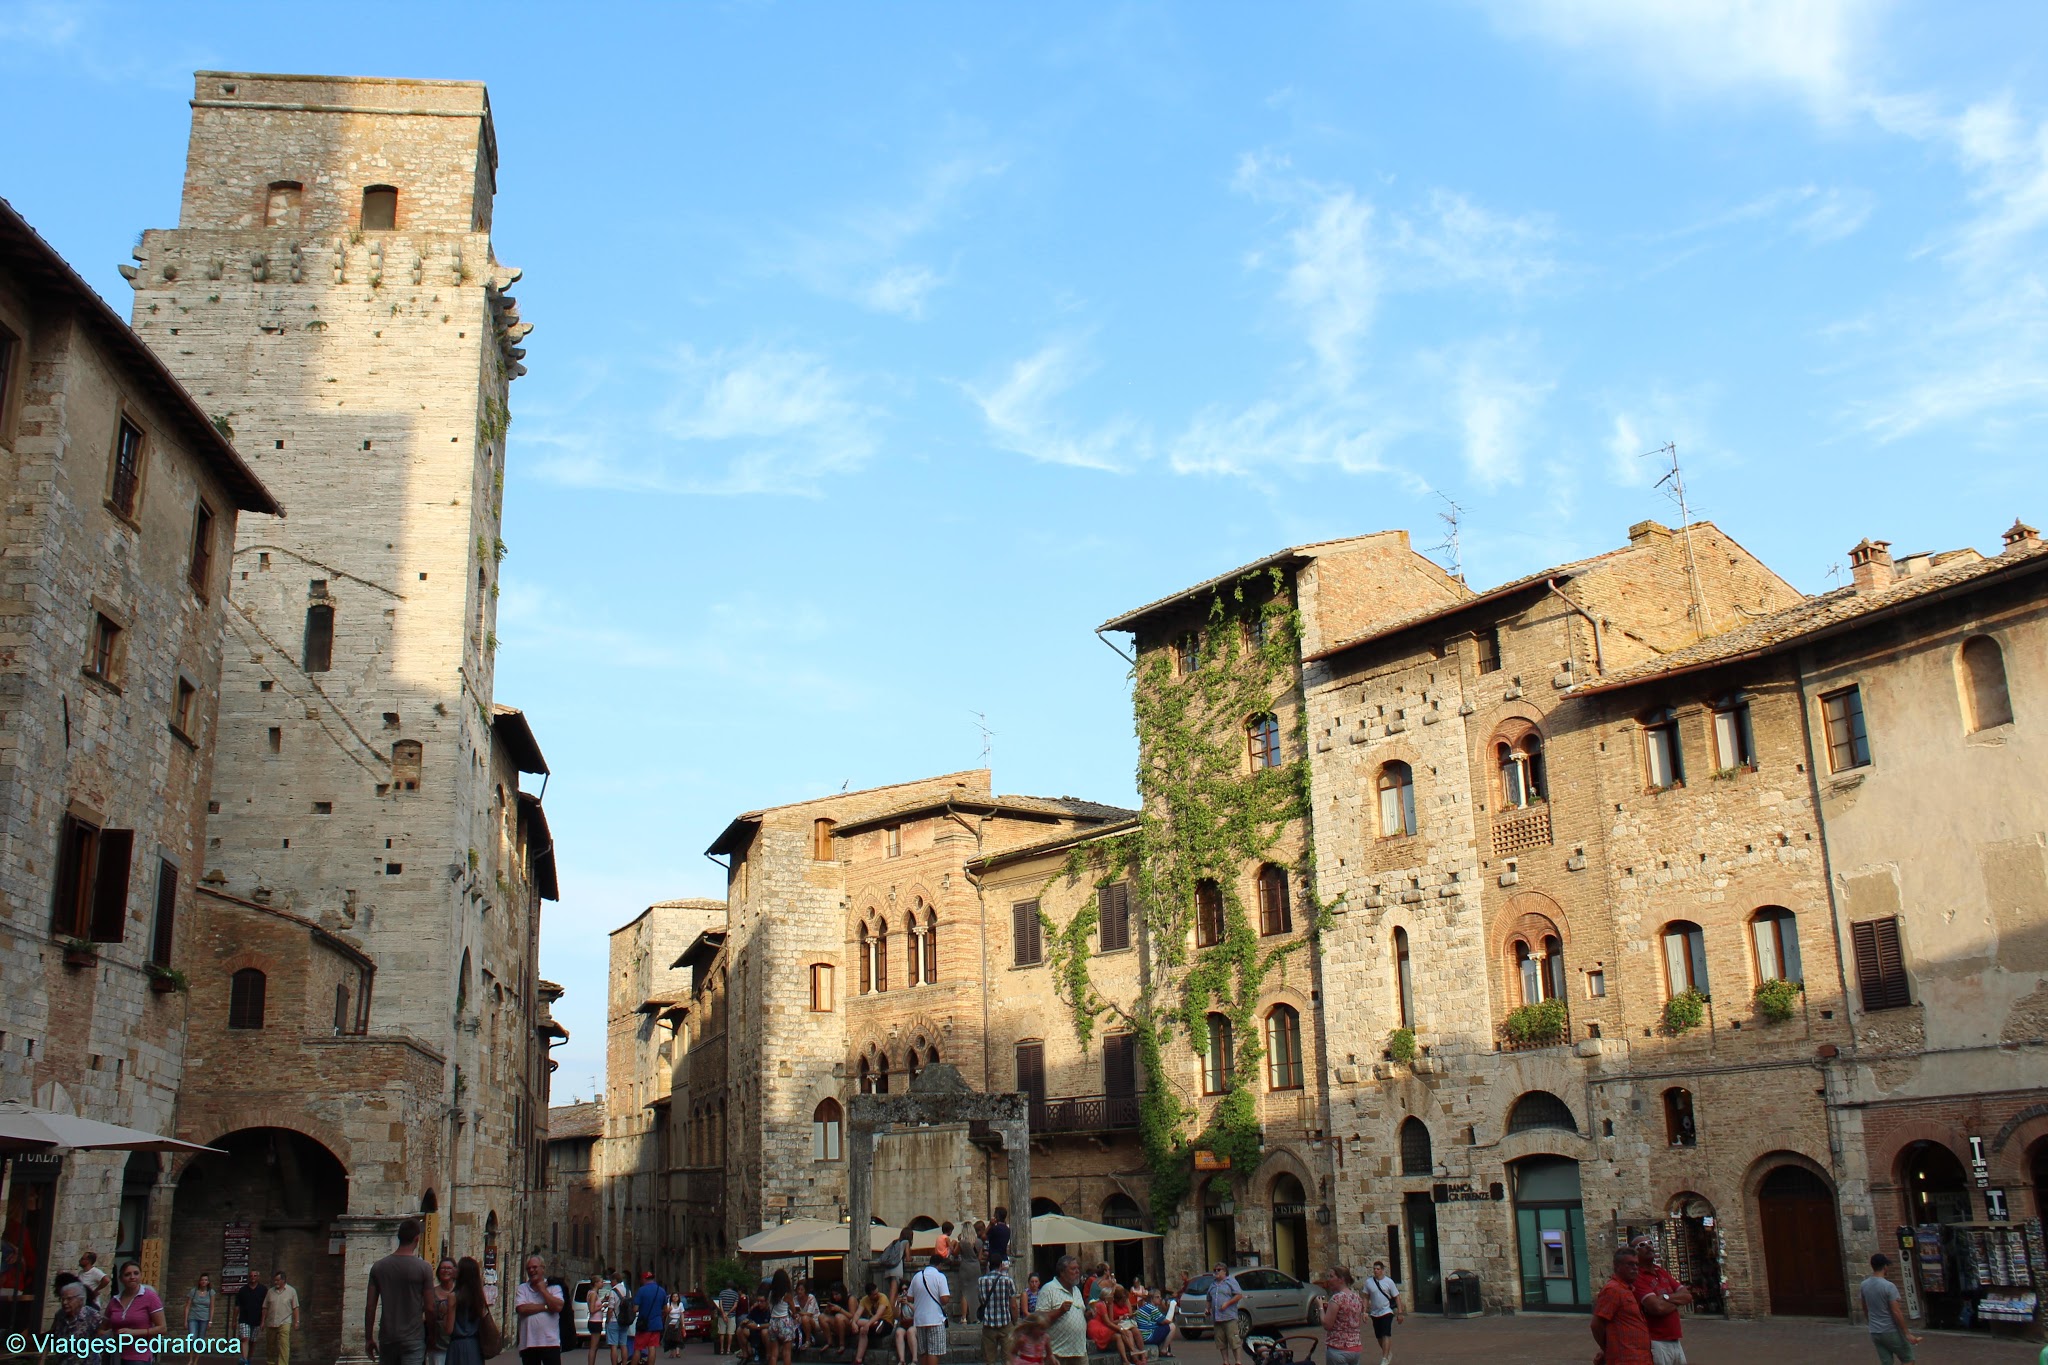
(80, 952)
(1401, 1046)
(1685, 1012)
(1778, 1000)
(164, 980)
(1542, 1022)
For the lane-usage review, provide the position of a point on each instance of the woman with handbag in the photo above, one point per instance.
(473, 1335)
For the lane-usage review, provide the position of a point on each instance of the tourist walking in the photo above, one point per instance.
(1618, 1326)
(1343, 1315)
(1383, 1306)
(997, 1294)
(400, 1282)
(76, 1317)
(648, 1305)
(438, 1295)
(280, 1320)
(249, 1300)
(931, 1296)
(618, 1329)
(91, 1276)
(1884, 1311)
(1065, 1309)
(1661, 1296)
(1225, 1294)
(782, 1319)
(134, 1310)
(465, 1314)
(199, 1306)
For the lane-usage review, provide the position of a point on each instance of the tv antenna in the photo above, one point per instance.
(987, 735)
(1673, 484)
(1450, 545)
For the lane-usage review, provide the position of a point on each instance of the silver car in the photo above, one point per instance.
(1272, 1298)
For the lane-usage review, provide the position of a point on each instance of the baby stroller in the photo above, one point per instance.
(1264, 1349)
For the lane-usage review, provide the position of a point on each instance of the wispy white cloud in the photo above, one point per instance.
(1497, 399)
(758, 419)
(1810, 50)
(867, 255)
(1019, 411)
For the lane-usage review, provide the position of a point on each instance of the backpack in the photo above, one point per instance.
(627, 1311)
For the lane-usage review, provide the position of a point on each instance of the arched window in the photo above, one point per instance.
(866, 1076)
(1775, 930)
(1518, 753)
(867, 960)
(1283, 1048)
(874, 956)
(1397, 801)
(882, 1074)
(245, 999)
(911, 1066)
(1220, 1062)
(1415, 1154)
(1209, 923)
(1404, 979)
(913, 935)
(1981, 672)
(1541, 1109)
(319, 642)
(1263, 734)
(1678, 1125)
(408, 757)
(281, 204)
(931, 944)
(1537, 957)
(380, 208)
(931, 1056)
(1276, 916)
(462, 983)
(1685, 957)
(825, 1131)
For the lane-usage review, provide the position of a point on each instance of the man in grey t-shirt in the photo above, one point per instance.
(1885, 1310)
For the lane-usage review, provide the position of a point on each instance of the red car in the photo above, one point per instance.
(697, 1317)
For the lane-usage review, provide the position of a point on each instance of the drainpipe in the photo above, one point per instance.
(1599, 652)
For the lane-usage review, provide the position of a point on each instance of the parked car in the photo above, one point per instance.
(1272, 1298)
(698, 1315)
(579, 1308)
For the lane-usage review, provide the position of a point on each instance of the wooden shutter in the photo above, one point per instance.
(70, 912)
(110, 885)
(1115, 902)
(1120, 1065)
(1880, 964)
(166, 913)
(1025, 932)
(1031, 1071)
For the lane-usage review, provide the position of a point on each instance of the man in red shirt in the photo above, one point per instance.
(1618, 1327)
(1661, 1296)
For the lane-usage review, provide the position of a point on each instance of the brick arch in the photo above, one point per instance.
(1279, 1161)
(2015, 1123)
(305, 1125)
(1484, 726)
(1523, 904)
(1761, 1168)
(1884, 1164)
(2009, 1165)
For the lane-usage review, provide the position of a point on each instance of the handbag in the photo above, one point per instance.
(490, 1339)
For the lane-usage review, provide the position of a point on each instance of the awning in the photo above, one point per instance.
(24, 1127)
(816, 1237)
(1055, 1229)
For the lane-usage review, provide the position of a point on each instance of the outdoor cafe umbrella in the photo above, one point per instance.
(815, 1237)
(25, 1128)
(1053, 1229)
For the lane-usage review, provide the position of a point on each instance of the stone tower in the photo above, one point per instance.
(330, 294)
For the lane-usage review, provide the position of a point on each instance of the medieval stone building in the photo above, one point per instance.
(331, 296)
(122, 500)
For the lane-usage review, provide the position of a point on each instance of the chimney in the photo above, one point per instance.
(1872, 562)
(2022, 537)
(1644, 532)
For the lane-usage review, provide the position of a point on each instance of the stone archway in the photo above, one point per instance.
(276, 1194)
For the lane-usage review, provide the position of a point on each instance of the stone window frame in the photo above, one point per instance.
(1740, 722)
(1276, 907)
(825, 987)
(298, 206)
(1541, 941)
(1212, 915)
(363, 208)
(1187, 653)
(1404, 976)
(1784, 945)
(1410, 824)
(126, 419)
(1519, 741)
(248, 991)
(1845, 729)
(1976, 684)
(1688, 971)
(1681, 1123)
(184, 718)
(828, 1130)
(205, 532)
(106, 646)
(1662, 721)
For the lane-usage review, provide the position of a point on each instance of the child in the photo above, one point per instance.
(1030, 1344)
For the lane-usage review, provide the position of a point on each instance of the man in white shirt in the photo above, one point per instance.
(1383, 1306)
(929, 1297)
(1065, 1310)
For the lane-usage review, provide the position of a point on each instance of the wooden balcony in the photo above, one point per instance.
(1085, 1114)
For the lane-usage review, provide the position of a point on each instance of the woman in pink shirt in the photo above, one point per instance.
(136, 1310)
(1341, 1318)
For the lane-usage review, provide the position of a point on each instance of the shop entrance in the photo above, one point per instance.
(1426, 1285)
(1802, 1247)
(1692, 1250)
(1936, 1189)
(1126, 1259)
(1550, 1234)
(1219, 1222)
(1290, 1227)
(25, 1229)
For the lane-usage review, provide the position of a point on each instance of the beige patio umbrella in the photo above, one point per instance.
(24, 1128)
(815, 1237)
(1052, 1229)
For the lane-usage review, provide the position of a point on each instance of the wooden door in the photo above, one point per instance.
(1802, 1245)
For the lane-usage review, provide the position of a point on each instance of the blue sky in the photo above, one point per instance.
(883, 350)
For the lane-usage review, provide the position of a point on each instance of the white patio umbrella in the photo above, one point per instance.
(816, 1237)
(26, 1128)
(1053, 1229)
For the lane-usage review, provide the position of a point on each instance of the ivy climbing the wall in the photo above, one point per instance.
(1206, 816)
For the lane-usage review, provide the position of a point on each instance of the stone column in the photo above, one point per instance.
(860, 1180)
(366, 1239)
(1016, 1135)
